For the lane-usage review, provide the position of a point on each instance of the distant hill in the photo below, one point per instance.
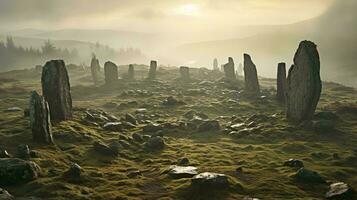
(335, 33)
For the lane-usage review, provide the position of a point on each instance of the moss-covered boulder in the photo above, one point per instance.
(14, 170)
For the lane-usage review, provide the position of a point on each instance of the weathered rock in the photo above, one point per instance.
(339, 191)
(183, 161)
(210, 125)
(56, 90)
(5, 195)
(304, 83)
(229, 69)
(185, 73)
(294, 163)
(74, 172)
(110, 73)
(308, 176)
(208, 180)
(252, 87)
(178, 172)
(95, 69)
(152, 70)
(152, 127)
(281, 83)
(103, 148)
(131, 72)
(14, 170)
(155, 143)
(40, 121)
(23, 151)
(130, 118)
(113, 126)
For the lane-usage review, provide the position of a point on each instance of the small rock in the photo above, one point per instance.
(152, 127)
(3, 153)
(133, 174)
(171, 101)
(137, 137)
(113, 126)
(23, 151)
(115, 147)
(155, 143)
(5, 195)
(308, 176)
(294, 163)
(74, 172)
(183, 161)
(209, 180)
(211, 125)
(103, 148)
(14, 170)
(130, 118)
(178, 172)
(339, 191)
(13, 109)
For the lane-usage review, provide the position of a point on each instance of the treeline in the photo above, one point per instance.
(14, 56)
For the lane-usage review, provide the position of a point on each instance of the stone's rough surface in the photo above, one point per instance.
(339, 191)
(15, 171)
(252, 87)
(40, 119)
(56, 90)
(281, 83)
(131, 72)
(210, 180)
(178, 172)
(110, 73)
(152, 70)
(5, 195)
(304, 83)
(308, 176)
(95, 69)
(185, 73)
(229, 69)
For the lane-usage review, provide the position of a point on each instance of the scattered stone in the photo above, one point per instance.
(208, 180)
(3, 153)
(229, 69)
(131, 72)
(14, 171)
(308, 176)
(40, 119)
(304, 83)
(178, 172)
(137, 137)
(185, 73)
(103, 148)
(152, 128)
(183, 161)
(155, 143)
(152, 70)
(113, 126)
(294, 163)
(5, 195)
(23, 151)
(252, 87)
(281, 83)
(339, 191)
(172, 101)
(133, 174)
(210, 125)
(56, 90)
(74, 172)
(110, 73)
(13, 109)
(130, 118)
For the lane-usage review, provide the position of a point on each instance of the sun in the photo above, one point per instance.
(188, 10)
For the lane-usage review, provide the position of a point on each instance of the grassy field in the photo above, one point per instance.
(260, 154)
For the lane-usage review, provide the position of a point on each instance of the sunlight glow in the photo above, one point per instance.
(188, 10)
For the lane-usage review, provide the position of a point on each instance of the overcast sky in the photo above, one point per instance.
(154, 15)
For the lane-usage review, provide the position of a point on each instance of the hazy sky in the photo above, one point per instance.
(154, 15)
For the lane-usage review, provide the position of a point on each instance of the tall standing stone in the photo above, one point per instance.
(56, 90)
(185, 73)
(95, 69)
(252, 87)
(281, 83)
(152, 70)
(215, 65)
(229, 69)
(304, 83)
(110, 73)
(131, 72)
(40, 121)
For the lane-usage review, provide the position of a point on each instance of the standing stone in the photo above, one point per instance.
(95, 69)
(215, 65)
(281, 83)
(185, 73)
(110, 73)
(251, 77)
(304, 83)
(40, 119)
(152, 70)
(56, 90)
(131, 72)
(229, 69)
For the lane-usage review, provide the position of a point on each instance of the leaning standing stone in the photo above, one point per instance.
(304, 83)
(229, 69)
(185, 73)
(131, 72)
(152, 70)
(281, 83)
(40, 119)
(252, 87)
(56, 90)
(110, 73)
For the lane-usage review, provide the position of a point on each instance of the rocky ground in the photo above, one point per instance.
(147, 139)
